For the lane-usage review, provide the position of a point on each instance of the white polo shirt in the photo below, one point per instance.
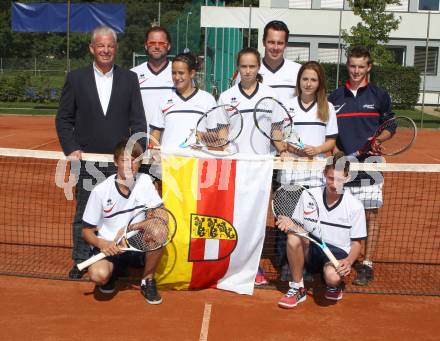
(310, 128)
(155, 86)
(341, 223)
(282, 79)
(251, 140)
(313, 132)
(177, 116)
(109, 210)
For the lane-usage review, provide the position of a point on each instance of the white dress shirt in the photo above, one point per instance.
(104, 83)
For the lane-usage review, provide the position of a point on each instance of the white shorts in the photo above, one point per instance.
(370, 196)
(310, 178)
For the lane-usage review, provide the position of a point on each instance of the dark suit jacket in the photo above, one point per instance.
(80, 121)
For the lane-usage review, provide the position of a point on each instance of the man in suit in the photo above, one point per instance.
(100, 105)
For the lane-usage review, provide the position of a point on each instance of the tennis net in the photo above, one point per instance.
(37, 208)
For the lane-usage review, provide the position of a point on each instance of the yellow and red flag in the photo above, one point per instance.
(220, 206)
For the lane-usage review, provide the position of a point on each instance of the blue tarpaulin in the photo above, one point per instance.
(47, 17)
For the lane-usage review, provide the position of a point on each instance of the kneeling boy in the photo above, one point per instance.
(110, 207)
(343, 226)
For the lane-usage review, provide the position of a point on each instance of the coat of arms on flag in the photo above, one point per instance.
(212, 238)
(221, 208)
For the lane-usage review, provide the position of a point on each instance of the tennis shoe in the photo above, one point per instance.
(364, 275)
(75, 273)
(109, 287)
(292, 298)
(149, 290)
(260, 279)
(334, 294)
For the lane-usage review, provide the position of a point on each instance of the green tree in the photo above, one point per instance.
(20, 48)
(5, 32)
(374, 29)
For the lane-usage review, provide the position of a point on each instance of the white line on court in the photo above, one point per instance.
(205, 322)
(432, 157)
(5, 136)
(44, 144)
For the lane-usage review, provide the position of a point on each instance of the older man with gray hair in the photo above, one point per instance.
(100, 105)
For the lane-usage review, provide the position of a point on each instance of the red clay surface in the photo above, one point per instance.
(28, 132)
(59, 310)
(62, 310)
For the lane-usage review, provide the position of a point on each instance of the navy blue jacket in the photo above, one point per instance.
(80, 121)
(359, 117)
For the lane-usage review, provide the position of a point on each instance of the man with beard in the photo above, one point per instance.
(155, 75)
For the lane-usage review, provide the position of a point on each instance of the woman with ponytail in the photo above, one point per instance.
(179, 112)
(244, 96)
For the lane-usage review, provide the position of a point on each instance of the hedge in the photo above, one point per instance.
(402, 83)
(22, 87)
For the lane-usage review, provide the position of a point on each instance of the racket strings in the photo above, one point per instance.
(295, 202)
(272, 120)
(285, 202)
(154, 232)
(219, 126)
(403, 133)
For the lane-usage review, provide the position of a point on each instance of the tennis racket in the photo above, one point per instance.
(218, 127)
(392, 137)
(156, 230)
(298, 204)
(273, 120)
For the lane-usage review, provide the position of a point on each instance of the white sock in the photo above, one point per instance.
(144, 282)
(368, 263)
(297, 285)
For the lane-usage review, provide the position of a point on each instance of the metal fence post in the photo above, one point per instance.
(339, 50)
(250, 22)
(438, 101)
(426, 69)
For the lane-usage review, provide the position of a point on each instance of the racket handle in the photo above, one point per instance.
(364, 149)
(331, 257)
(300, 145)
(185, 143)
(92, 260)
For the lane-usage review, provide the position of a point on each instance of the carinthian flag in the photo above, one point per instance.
(221, 207)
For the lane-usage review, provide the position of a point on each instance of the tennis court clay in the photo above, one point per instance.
(34, 309)
(48, 309)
